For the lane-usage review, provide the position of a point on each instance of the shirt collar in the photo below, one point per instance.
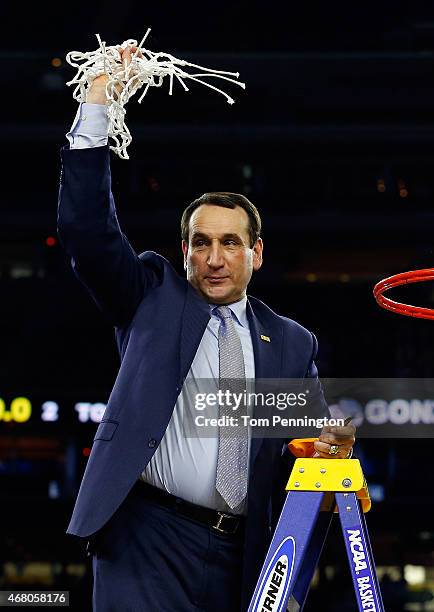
(239, 311)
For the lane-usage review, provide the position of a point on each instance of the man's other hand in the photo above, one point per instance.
(335, 442)
(97, 91)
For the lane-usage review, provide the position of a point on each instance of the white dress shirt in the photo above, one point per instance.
(187, 466)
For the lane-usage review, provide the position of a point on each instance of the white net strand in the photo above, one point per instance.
(146, 69)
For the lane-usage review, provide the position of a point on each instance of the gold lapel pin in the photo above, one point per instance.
(265, 338)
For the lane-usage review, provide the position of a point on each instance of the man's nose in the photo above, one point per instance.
(215, 256)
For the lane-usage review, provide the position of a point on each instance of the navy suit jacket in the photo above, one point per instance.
(159, 320)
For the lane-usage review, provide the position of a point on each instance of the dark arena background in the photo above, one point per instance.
(333, 140)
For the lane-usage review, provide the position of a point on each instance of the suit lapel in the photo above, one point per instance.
(194, 321)
(267, 341)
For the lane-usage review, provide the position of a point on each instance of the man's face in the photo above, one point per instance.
(218, 257)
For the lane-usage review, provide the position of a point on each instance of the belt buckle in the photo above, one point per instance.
(222, 516)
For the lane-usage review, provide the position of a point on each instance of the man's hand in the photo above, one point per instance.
(97, 93)
(332, 437)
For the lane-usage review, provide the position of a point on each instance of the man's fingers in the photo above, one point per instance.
(139, 54)
(332, 438)
(323, 449)
(340, 432)
(342, 437)
(126, 55)
(128, 52)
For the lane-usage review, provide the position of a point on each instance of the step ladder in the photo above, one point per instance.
(318, 488)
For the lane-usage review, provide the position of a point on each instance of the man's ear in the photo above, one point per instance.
(257, 254)
(184, 247)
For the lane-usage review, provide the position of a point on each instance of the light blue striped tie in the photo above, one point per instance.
(232, 467)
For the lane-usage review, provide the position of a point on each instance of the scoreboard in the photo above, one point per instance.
(25, 410)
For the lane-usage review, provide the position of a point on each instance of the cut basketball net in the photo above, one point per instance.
(147, 69)
(414, 276)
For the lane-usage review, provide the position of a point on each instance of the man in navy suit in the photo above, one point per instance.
(162, 537)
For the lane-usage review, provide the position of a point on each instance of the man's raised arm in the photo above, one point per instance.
(88, 228)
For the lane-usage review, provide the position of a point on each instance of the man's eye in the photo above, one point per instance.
(199, 243)
(230, 242)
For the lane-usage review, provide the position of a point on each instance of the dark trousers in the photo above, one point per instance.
(150, 559)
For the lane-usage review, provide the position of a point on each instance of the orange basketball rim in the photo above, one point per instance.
(414, 276)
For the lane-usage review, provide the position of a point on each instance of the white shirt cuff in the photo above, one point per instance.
(90, 127)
